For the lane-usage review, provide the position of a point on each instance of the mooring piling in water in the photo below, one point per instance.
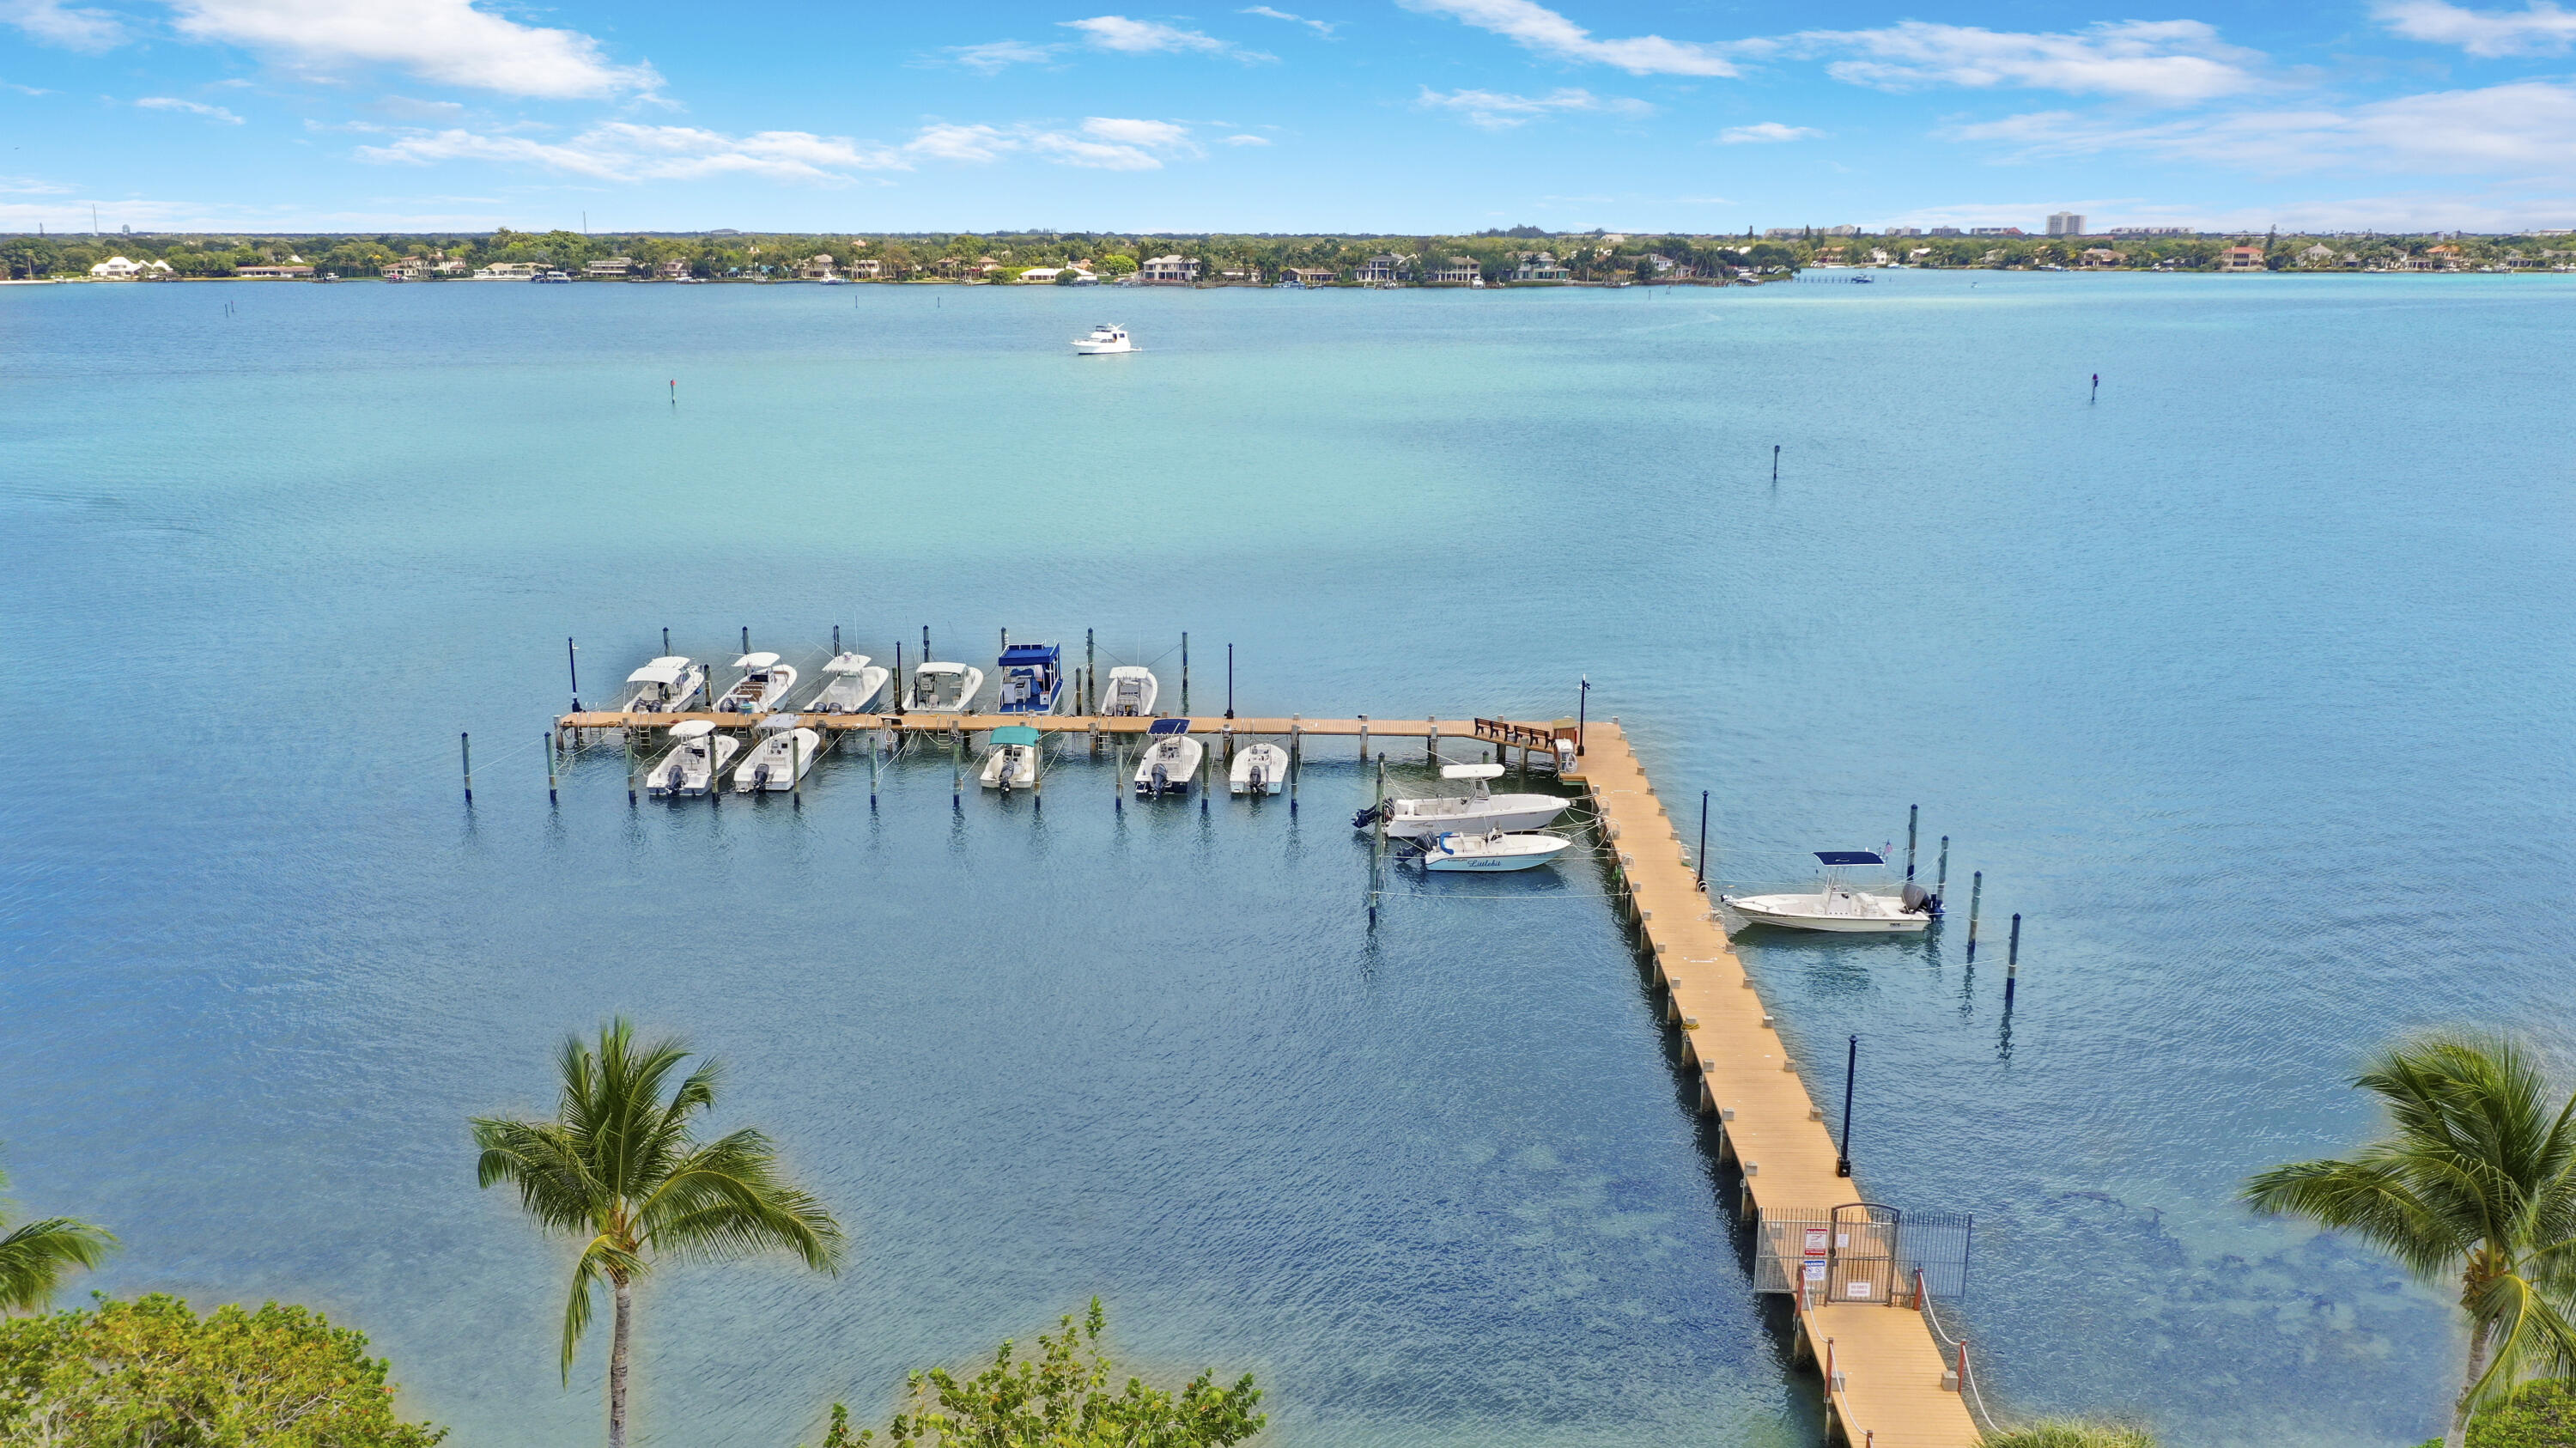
(746, 638)
(666, 642)
(1229, 681)
(2012, 961)
(1913, 813)
(1185, 671)
(465, 750)
(1851, 1072)
(1699, 858)
(1091, 681)
(572, 662)
(1941, 881)
(1363, 739)
(1775, 462)
(1976, 892)
(629, 736)
(836, 641)
(1431, 742)
(550, 767)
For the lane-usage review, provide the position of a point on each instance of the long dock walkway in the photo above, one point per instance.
(1465, 730)
(1885, 1372)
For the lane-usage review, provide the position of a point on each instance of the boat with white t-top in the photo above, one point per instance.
(698, 754)
(1258, 769)
(851, 684)
(1106, 338)
(664, 686)
(763, 687)
(1477, 811)
(785, 752)
(1132, 691)
(1836, 905)
(943, 688)
(1171, 762)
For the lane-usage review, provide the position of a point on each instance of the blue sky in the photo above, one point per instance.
(1379, 115)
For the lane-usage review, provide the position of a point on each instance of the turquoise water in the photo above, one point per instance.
(2241, 682)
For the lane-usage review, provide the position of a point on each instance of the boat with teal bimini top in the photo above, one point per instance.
(1013, 763)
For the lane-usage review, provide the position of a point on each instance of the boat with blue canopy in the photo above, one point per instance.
(1032, 679)
(1838, 906)
(1171, 762)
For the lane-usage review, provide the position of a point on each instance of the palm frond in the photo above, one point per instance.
(36, 1257)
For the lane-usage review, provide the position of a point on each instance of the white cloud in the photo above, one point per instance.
(194, 108)
(1145, 37)
(2537, 28)
(994, 55)
(1501, 110)
(2170, 61)
(30, 186)
(1247, 140)
(441, 40)
(1138, 133)
(1320, 27)
(1766, 131)
(2524, 128)
(55, 23)
(959, 143)
(24, 90)
(1545, 31)
(625, 151)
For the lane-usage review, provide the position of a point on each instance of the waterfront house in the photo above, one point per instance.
(1308, 276)
(1243, 276)
(1456, 271)
(2103, 256)
(405, 269)
(507, 271)
(277, 272)
(1383, 269)
(1540, 267)
(1040, 276)
(1174, 269)
(2241, 259)
(817, 268)
(118, 269)
(672, 269)
(613, 268)
(2317, 255)
(868, 269)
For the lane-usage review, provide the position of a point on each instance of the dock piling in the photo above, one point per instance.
(1851, 1071)
(572, 662)
(550, 767)
(956, 767)
(1699, 861)
(2012, 960)
(666, 641)
(925, 643)
(1118, 782)
(746, 638)
(1377, 843)
(1582, 706)
(1229, 684)
(1363, 739)
(1976, 892)
(1185, 671)
(1775, 462)
(630, 764)
(872, 776)
(465, 749)
(1913, 813)
(898, 676)
(1296, 758)
(1431, 742)
(1941, 881)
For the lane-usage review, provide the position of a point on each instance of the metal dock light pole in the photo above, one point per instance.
(1582, 706)
(572, 661)
(550, 767)
(1842, 1148)
(1699, 876)
(465, 750)
(1229, 681)
(1976, 892)
(1913, 813)
(2012, 960)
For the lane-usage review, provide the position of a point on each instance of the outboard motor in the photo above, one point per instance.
(1162, 780)
(1259, 785)
(1919, 901)
(1367, 817)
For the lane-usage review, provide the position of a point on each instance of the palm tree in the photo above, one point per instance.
(619, 1170)
(2476, 1185)
(35, 1257)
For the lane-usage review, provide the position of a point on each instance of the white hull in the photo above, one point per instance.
(852, 690)
(683, 773)
(762, 691)
(1258, 769)
(1011, 766)
(777, 762)
(1101, 349)
(1459, 853)
(1415, 819)
(1842, 912)
(1131, 693)
(665, 686)
(1177, 756)
(944, 689)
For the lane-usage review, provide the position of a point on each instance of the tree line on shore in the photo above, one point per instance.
(2472, 1189)
(1495, 256)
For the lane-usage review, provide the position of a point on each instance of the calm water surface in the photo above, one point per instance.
(2244, 683)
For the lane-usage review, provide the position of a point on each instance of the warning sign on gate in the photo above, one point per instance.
(1816, 1241)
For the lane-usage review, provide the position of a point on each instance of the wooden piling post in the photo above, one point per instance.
(1296, 758)
(872, 771)
(1377, 844)
(550, 766)
(465, 750)
(836, 641)
(666, 642)
(1185, 671)
(2012, 960)
(1976, 891)
(1363, 739)
(1912, 813)
(1091, 683)
(629, 732)
(1118, 781)
(1941, 880)
(956, 766)
(1431, 745)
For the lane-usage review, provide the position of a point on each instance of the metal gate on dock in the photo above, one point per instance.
(1864, 1252)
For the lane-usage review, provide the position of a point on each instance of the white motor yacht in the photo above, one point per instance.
(1258, 769)
(785, 752)
(698, 754)
(1492, 850)
(1105, 338)
(1131, 693)
(1013, 764)
(761, 689)
(943, 688)
(1171, 762)
(850, 685)
(665, 686)
(1478, 811)
(1836, 906)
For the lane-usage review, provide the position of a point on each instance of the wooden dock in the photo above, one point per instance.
(1886, 1383)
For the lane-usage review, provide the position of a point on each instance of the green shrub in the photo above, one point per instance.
(2537, 1415)
(150, 1371)
(2074, 1433)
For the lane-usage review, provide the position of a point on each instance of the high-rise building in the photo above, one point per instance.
(2066, 223)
